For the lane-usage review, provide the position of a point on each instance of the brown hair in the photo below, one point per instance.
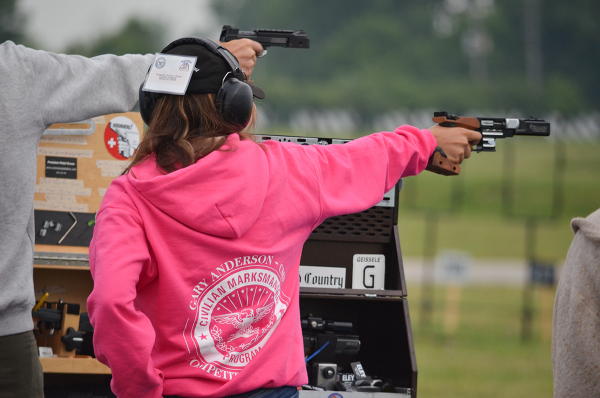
(184, 128)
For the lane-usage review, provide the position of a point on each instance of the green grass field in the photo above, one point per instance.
(474, 215)
(486, 356)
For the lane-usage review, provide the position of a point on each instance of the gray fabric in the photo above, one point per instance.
(576, 327)
(38, 89)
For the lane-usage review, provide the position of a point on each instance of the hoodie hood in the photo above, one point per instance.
(206, 195)
(589, 226)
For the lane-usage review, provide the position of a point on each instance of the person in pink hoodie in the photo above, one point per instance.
(196, 249)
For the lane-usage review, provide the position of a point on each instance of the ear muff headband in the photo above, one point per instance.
(234, 99)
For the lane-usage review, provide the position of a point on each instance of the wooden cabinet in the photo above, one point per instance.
(380, 318)
(57, 273)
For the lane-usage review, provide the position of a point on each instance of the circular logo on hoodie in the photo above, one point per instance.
(236, 315)
(121, 137)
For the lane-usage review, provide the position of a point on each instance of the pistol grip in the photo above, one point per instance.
(440, 164)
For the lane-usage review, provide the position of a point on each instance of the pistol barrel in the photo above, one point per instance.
(267, 37)
(535, 127)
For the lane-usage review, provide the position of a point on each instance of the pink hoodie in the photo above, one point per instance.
(196, 272)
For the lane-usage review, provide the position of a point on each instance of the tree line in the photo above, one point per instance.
(534, 56)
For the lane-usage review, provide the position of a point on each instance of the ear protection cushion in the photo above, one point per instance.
(234, 101)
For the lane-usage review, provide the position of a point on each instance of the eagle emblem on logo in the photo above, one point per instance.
(244, 320)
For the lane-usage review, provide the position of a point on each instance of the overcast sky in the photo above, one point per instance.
(54, 24)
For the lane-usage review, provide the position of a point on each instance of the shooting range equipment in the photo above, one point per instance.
(54, 321)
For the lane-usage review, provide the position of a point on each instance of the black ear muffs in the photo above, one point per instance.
(234, 101)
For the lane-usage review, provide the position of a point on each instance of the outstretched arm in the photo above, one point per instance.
(354, 176)
(68, 88)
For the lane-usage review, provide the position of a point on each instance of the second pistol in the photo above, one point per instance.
(267, 37)
(490, 129)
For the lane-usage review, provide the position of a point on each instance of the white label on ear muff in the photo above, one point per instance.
(170, 74)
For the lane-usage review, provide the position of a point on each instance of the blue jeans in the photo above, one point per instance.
(280, 392)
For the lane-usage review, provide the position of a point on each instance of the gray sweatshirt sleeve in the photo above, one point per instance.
(68, 88)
